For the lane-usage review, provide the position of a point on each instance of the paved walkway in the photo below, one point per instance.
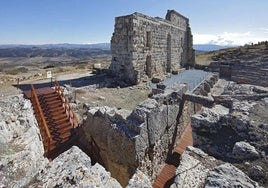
(192, 77)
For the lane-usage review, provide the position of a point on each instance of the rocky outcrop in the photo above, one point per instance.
(193, 169)
(21, 148)
(245, 64)
(243, 150)
(239, 133)
(227, 175)
(73, 169)
(139, 179)
(197, 169)
(207, 120)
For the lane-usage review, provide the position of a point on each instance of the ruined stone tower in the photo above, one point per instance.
(145, 46)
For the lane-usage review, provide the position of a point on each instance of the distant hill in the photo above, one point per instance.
(209, 47)
(75, 50)
(52, 51)
(104, 46)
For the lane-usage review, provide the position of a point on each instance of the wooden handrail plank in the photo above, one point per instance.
(42, 120)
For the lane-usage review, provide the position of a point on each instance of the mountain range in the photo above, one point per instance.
(104, 46)
(209, 47)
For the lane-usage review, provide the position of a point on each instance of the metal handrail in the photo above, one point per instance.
(43, 122)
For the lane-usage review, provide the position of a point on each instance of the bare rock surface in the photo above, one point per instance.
(227, 175)
(193, 168)
(256, 172)
(240, 135)
(207, 120)
(73, 169)
(139, 179)
(198, 169)
(21, 148)
(139, 139)
(243, 150)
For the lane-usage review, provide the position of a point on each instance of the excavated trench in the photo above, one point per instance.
(118, 143)
(120, 154)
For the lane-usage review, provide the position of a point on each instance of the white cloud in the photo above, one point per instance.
(228, 38)
(265, 30)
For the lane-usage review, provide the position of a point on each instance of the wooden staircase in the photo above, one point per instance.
(167, 175)
(57, 122)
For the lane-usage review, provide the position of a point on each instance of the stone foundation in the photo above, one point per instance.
(124, 141)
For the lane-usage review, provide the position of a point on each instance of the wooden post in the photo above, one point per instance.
(75, 96)
(18, 83)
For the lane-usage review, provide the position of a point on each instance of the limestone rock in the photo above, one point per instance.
(191, 171)
(256, 172)
(227, 175)
(207, 120)
(132, 39)
(243, 150)
(139, 179)
(21, 148)
(197, 169)
(157, 79)
(73, 169)
(141, 139)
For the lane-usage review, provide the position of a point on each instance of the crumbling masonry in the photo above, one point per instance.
(144, 46)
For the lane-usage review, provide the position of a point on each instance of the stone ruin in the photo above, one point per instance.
(144, 46)
(125, 141)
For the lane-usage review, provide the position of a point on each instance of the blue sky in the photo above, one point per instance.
(92, 21)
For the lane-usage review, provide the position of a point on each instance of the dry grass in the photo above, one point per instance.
(204, 58)
(126, 98)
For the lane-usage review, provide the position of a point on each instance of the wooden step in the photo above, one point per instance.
(49, 94)
(58, 119)
(65, 136)
(62, 125)
(47, 100)
(168, 170)
(56, 116)
(51, 103)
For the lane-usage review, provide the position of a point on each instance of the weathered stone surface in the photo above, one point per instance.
(227, 175)
(73, 169)
(207, 120)
(256, 172)
(140, 139)
(243, 150)
(21, 148)
(139, 179)
(197, 169)
(246, 64)
(203, 100)
(245, 121)
(144, 46)
(193, 168)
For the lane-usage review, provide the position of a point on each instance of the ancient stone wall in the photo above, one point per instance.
(124, 141)
(250, 73)
(143, 46)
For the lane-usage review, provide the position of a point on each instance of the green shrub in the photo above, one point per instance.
(22, 69)
(49, 66)
(12, 72)
(81, 66)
